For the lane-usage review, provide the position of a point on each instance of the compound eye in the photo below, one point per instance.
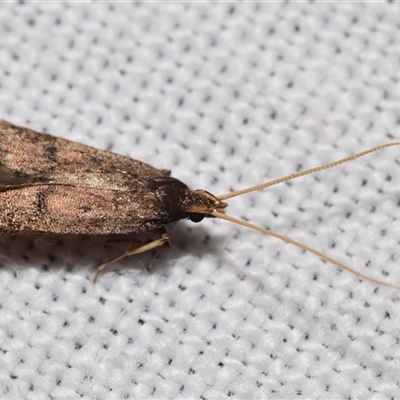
(196, 217)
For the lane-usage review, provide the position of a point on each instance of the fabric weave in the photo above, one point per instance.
(226, 95)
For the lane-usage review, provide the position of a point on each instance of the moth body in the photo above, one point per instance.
(50, 185)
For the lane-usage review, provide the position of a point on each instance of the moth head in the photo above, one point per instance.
(202, 204)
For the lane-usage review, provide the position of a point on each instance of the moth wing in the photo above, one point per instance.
(62, 209)
(53, 185)
(28, 157)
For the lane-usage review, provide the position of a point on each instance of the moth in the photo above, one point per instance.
(50, 185)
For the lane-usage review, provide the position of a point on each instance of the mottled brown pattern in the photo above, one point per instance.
(52, 185)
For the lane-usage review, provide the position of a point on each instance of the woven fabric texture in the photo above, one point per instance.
(226, 95)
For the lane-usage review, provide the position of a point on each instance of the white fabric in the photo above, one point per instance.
(226, 95)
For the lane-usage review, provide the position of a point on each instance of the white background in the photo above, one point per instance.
(226, 95)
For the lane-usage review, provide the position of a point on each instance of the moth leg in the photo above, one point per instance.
(134, 249)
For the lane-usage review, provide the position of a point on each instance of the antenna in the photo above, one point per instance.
(306, 171)
(287, 239)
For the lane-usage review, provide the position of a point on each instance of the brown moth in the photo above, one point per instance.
(50, 185)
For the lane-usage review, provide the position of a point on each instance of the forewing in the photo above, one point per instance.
(52, 185)
(28, 157)
(62, 209)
